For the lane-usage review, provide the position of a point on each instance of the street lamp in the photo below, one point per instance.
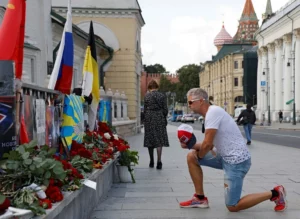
(168, 94)
(268, 95)
(294, 102)
(225, 99)
(173, 95)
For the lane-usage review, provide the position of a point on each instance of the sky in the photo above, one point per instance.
(181, 32)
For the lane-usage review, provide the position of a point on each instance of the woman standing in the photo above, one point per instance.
(156, 112)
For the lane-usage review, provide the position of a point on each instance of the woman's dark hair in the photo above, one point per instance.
(248, 106)
(153, 85)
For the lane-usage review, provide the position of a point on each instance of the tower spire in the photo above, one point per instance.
(268, 11)
(248, 12)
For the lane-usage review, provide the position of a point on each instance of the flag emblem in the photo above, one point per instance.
(10, 6)
(6, 118)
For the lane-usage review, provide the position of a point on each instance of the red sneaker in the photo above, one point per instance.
(195, 202)
(280, 201)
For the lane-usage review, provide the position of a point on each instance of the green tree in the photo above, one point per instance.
(165, 85)
(189, 78)
(156, 68)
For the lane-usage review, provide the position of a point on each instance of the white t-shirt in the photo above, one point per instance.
(229, 142)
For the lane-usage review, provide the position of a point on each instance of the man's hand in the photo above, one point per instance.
(183, 145)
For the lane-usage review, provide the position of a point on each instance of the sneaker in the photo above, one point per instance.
(195, 202)
(280, 201)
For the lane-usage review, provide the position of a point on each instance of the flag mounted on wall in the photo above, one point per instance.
(62, 74)
(91, 78)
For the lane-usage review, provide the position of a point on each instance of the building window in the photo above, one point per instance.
(242, 64)
(236, 64)
(49, 67)
(32, 71)
(236, 82)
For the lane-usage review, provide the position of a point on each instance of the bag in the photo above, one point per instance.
(245, 121)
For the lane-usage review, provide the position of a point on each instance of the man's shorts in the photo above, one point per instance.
(234, 175)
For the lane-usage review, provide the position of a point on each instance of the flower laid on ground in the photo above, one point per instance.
(45, 203)
(4, 203)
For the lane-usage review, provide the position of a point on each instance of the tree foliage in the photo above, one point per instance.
(188, 77)
(156, 68)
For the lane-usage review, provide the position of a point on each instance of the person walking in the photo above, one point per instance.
(248, 120)
(155, 122)
(280, 114)
(231, 155)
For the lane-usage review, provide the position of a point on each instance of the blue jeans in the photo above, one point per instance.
(248, 130)
(234, 175)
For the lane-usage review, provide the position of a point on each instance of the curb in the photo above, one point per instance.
(289, 129)
(273, 128)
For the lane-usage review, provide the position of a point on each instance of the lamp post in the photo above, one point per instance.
(294, 84)
(168, 94)
(268, 95)
(173, 95)
(225, 99)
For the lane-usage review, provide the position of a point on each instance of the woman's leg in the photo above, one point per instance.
(159, 152)
(151, 155)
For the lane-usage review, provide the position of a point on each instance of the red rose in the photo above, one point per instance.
(45, 203)
(54, 194)
(5, 205)
(84, 153)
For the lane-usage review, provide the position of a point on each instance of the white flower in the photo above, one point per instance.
(116, 137)
(107, 135)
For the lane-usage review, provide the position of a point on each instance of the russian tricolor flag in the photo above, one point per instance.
(61, 77)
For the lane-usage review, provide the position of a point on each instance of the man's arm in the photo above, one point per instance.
(240, 116)
(207, 143)
(197, 146)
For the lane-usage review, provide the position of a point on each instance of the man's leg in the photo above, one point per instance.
(195, 172)
(246, 129)
(250, 131)
(234, 176)
(199, 200)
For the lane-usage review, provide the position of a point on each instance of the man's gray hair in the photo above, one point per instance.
(197, 93)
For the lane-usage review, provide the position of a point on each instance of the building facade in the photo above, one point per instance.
(230, 77)
(279, 63)
(224, 76)
(119, 24)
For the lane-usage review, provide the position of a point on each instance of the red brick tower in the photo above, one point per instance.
(248, 24)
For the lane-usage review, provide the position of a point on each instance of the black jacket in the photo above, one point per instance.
(247, 115)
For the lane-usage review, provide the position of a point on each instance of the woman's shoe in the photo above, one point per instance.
(151, 164)
(159, 165)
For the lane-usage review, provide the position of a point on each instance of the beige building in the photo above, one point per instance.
(222, 78)
(118, 24)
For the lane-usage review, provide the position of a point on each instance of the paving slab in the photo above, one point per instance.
(157, 193)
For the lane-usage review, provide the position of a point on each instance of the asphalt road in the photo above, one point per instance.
(277, 137)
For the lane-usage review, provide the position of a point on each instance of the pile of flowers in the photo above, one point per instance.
(34, 177)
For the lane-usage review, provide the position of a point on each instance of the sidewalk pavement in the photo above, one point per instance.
(157, 193)
(281, 126)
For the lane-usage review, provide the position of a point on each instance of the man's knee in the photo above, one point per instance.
(192, 157)
(233, 208)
